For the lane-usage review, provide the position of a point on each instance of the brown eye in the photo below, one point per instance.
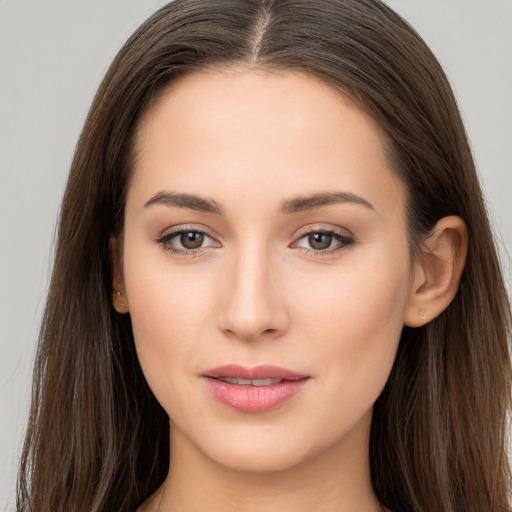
(187, 242)
(191, 239)
(320, 241)
(323, 242)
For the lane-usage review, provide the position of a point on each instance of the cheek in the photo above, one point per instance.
(356, 319)
(169, 313)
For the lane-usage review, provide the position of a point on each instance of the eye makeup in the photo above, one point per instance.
(189, 241)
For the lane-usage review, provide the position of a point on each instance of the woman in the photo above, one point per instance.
(275, 285)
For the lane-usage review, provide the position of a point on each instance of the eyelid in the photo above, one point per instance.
(167, 235)
(345, 240)
(323, 228)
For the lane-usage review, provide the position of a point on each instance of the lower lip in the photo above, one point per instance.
(254, 398)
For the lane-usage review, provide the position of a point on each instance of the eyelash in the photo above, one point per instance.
(344, 241)
(165, 240)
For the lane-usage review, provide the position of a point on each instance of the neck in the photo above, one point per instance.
(336, 479)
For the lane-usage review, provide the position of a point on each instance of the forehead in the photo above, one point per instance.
(249, 133)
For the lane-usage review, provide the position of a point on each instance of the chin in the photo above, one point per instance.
(257, 459)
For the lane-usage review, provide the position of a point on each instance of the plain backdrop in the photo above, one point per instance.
(53, 54)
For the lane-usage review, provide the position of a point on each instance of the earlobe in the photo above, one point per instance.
(438, 272)
(119, 299)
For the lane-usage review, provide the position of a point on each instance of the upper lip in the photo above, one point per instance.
(264, 371)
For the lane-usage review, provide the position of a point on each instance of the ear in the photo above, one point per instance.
(119, 298)
(437, 272)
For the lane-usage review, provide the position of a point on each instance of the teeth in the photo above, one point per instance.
(265, 382)
(249, 382)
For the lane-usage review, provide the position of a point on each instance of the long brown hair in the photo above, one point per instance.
(97, 439)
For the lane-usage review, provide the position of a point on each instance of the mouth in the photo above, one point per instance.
(254, 373)
(250, 382)
(256, 389)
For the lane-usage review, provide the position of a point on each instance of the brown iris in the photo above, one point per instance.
(319, 241)
(191, 239)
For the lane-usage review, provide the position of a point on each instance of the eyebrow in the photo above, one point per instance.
(305, 203)
(200, 204)
(295, 205)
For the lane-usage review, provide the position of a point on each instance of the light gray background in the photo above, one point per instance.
(53, 54)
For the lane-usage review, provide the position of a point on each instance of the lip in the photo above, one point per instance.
(264, 371)
(253, 398)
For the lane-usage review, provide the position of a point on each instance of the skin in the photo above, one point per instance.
(257, 292)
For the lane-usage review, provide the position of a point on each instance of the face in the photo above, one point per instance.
(264, 240)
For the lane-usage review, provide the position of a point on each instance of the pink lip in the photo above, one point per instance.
(253, 398)
(256, 372)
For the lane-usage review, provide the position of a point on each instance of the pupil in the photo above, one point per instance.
(320, 241)
(191, 240)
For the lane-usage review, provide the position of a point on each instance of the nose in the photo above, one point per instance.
(254, 304)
